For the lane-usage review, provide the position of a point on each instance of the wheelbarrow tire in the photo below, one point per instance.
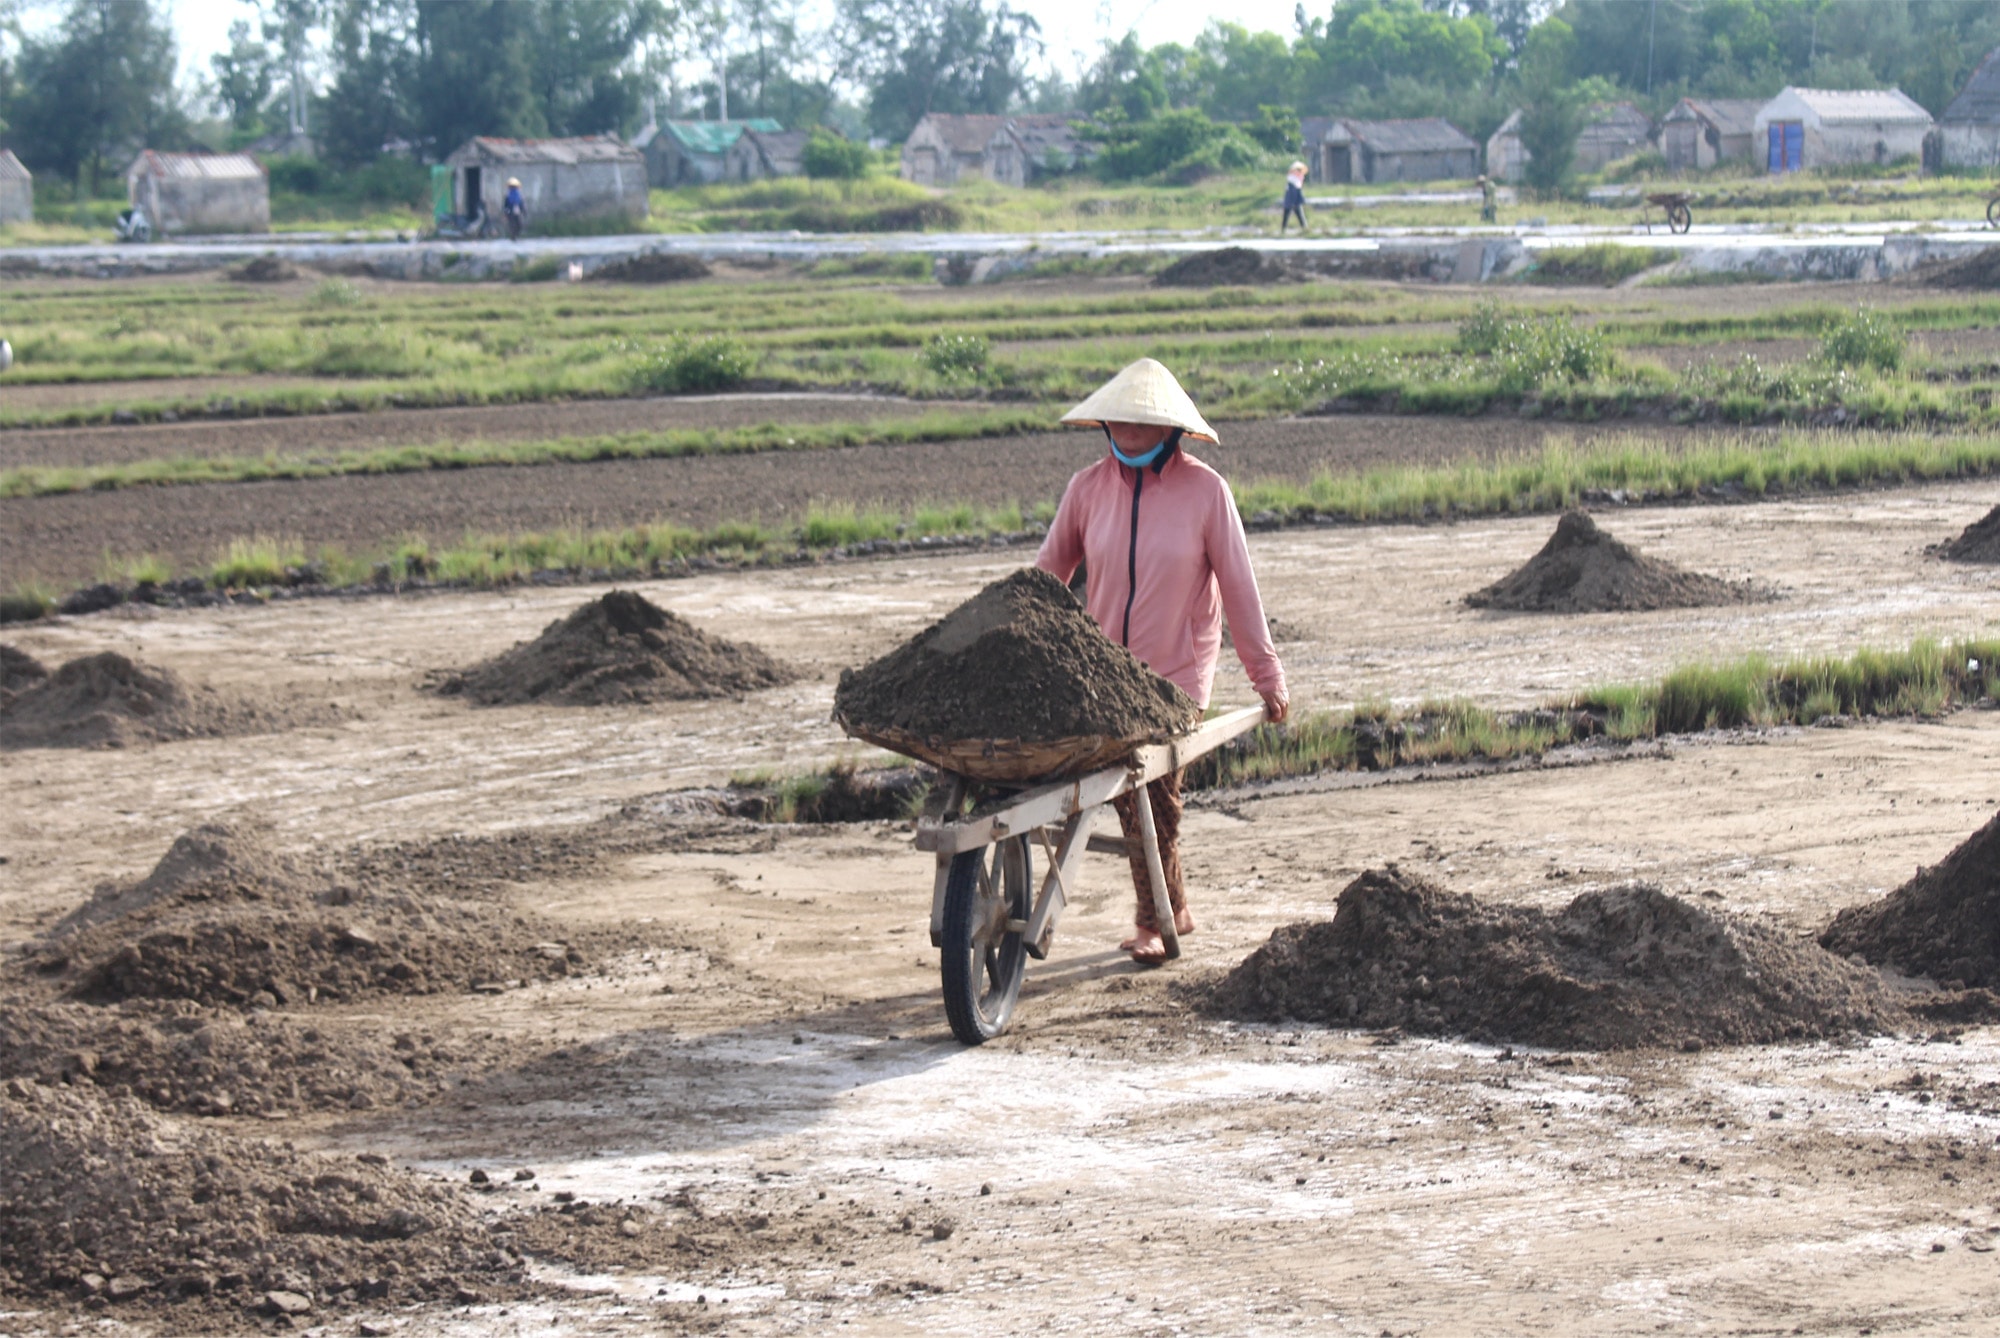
(983, 961)
(1993, 212)
(1679, 218)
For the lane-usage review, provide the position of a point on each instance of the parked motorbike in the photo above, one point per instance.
(133, 226)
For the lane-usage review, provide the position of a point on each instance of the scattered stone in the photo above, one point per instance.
(1584, 570)
(1980, 541)
(124, 1288)
(619, 649)
(1020, 660)
(286, 1303)
(1620, 968)
(370, 1329)
(942, 1228)
(1944, 923)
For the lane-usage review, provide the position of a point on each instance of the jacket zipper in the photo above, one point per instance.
(1132, 558)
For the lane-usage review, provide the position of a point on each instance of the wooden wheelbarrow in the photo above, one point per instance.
(986, 915)
(1679, 217)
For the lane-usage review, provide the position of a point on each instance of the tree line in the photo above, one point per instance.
(421, 76)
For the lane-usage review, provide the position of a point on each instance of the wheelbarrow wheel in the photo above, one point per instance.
(987, 891)
(1993, 212)
(1679, 218)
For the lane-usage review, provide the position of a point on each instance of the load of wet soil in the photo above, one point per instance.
(1019, 660)
(1621, 968)
(1979, 543)
(1944, 923)
(180, 1057)
(19, 671)
(1226, 265)
(1581, 569)
(102, 1198)
(655, 267)
(266, 269)
(108, 701)
(620, 649)
(224, 921)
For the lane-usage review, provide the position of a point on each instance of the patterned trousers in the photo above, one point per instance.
(1165, 796)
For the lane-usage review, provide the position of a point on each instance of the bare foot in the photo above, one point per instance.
(1146, 948)
(1183, 924)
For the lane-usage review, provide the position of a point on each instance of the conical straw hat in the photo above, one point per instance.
(1145, 392)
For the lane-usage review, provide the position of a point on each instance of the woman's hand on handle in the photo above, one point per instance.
(1277, 707)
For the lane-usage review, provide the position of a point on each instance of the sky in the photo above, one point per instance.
(1072, 29)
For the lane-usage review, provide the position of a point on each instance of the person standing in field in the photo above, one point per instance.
(515, 207)
(1295, 197)
(1167, 557)
(1487, 195)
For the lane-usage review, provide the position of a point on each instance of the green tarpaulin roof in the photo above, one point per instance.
(716, 136)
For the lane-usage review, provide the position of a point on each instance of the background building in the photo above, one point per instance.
(757, 154)
(1701, 132)
(1820, 127)
(1969, 130)
(694, 153)
(593, 177)
(200, 192)
(1013, 150)
(17, 190)
(1429, 149)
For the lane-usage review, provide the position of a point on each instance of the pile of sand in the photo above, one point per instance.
(621, 648)
(108, 701)
(1584, 570)
(19, 671)
(653, 267)
(1019, 660)
(1944, 923)
(100, 1196)
(1979, 543)
(223, 920)
(1621, 968)
(1228, 265)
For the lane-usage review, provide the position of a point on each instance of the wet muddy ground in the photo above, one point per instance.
(1115, 1163)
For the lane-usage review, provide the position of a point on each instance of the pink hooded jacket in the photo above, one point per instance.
(1176, 527)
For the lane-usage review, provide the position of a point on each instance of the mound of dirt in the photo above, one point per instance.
(1581, 569)
(621, 648)
(654, 267)
(1228, 265)
(1979, 543)
(1979, 270)
(19, 671)
(1944, 923)
(223, 920)
(183, 1058)
(266, 269)
(1616, 969)
(1019, 660)
(108, 701)
(100, 1196)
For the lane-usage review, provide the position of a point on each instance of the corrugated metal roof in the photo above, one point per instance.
(1428, 134)
(1843, 105)
(11, 169)
(583, 149)
(715, 136)
(196, 166)
(1617, 120)
(1979, 100)
(1729, 116)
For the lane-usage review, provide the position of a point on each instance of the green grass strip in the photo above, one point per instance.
(43, 480)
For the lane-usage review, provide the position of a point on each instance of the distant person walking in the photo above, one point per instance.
(1295, 197)
(515, 206)
(1487, 198)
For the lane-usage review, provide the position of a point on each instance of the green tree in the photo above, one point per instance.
(580, 62)
(1364, 44)
(96, 90)
(472, 72)
(1552, 110)
(919, 56)
(374, 58)
(242, 78)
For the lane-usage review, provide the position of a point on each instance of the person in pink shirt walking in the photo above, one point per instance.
(1159, 534)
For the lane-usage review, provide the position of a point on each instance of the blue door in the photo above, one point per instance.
(1786, 149)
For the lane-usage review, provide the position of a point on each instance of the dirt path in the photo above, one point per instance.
(63, 538)
(317, 434)
(1296, 1179)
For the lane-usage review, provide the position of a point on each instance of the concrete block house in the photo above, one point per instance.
(590, 177)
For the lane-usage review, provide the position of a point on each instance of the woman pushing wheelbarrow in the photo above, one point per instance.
(1158, 532)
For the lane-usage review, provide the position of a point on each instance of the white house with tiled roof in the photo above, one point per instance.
(1822, 127)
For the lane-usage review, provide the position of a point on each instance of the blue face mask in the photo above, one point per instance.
(1145, 460)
